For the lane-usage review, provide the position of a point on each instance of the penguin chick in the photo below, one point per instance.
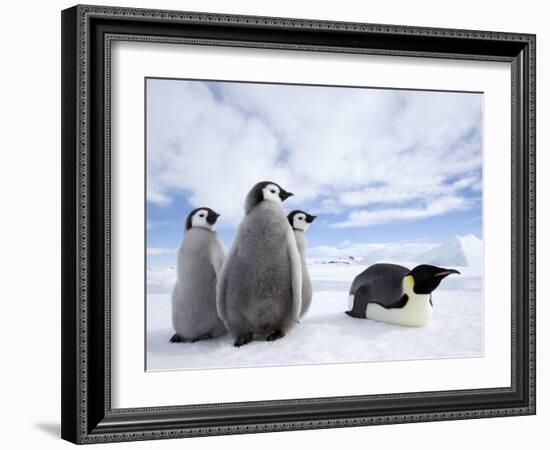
(394, 294)
(300, 222)
(200, 257)
(260, 285)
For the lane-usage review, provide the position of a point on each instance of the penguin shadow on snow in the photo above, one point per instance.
(350, 327)
(160, 341)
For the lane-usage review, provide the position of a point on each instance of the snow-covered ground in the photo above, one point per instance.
(326, 334)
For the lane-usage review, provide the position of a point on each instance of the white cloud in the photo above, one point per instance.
(399, 193)
(436, 207)
(154, 251)
(339, 150)
(209, 150)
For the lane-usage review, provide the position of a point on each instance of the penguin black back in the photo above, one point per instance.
(380, 283)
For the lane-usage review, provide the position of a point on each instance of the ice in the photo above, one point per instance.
(459, 251)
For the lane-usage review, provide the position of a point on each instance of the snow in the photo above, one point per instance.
(326, 334)
(160, 280)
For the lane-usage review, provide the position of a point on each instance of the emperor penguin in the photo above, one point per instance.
(260, 285)
(200, 257)
(300, 222)
(394, 294)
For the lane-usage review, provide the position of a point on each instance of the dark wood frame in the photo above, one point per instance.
(87, 32)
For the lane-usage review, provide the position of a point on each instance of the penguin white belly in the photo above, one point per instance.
(416, 313)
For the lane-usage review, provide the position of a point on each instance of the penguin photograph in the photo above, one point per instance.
(291, 224)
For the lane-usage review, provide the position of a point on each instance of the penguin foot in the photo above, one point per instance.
(176, 338)
(277, 334)
(355, 316)
(243, 339)
(202, 337)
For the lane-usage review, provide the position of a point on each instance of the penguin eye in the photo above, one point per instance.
(201, 215)
(272, 191)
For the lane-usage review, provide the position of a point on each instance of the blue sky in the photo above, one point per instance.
(374, 165)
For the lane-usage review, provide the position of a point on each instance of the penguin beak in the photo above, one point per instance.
(212, 217)
(285, 194)
(445, 272)
(310, 218)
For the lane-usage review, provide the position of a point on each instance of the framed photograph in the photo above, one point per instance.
(280, 224)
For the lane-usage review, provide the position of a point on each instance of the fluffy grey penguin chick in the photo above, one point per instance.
(394, 294)
(300, 222)
(200, 258)
(260, 285)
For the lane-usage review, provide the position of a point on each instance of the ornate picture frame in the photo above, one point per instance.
(88, 33)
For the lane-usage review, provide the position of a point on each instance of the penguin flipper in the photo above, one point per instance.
(218, 256)
(360, 300)
(295, 273)
(220, 295)
(221, 283)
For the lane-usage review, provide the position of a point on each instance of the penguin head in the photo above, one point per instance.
(265, 191)
(300, 220)
(426, 278)
(201, 217)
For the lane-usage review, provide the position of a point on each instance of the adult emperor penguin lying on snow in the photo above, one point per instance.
(200, 257)
(300, 222)
(260, 285)
(394, 294)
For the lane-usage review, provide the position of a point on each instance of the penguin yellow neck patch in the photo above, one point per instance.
(408, 285)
